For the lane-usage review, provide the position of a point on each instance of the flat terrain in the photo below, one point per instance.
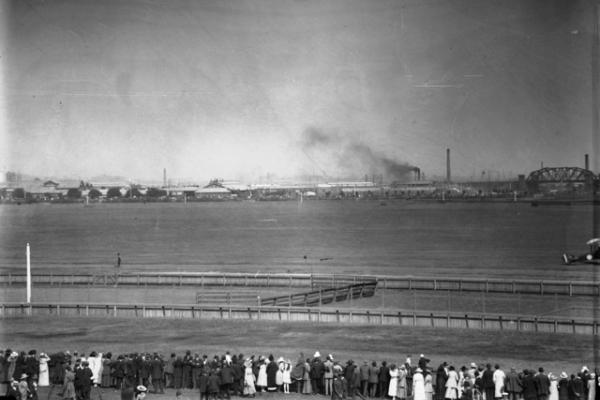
(508, 240)
(511, 241)
(554, 352)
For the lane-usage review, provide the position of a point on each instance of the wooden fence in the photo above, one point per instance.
(323, 296)
(307, 314)
(227, 297)
(540, 287)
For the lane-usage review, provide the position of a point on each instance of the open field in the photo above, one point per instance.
(556, 352)
(511, 240)
(490, 303)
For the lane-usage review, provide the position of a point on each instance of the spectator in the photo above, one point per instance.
(499, 377)
(373, 379)
(68, 389)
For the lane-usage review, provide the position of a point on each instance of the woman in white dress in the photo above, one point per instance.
(261, 382)
(428, 387)
(418, 385)
(249, 389)
(451, 384)
(591, 387)
(393, 388)
(554, 387)
(44, 377)
(95, 361)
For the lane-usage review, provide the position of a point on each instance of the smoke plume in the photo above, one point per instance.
(351, 158)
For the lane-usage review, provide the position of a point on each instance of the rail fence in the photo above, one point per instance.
(228, 297)
(323, 296)
(306, 299)
(540, 287)
(307, 314)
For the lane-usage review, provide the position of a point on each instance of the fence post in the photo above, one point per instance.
(573, 324)
(483, 320)
(114, 311)
(535, 324)
(542, 288)
(570, 289)
(467, 321)
(399, 317)
(432, 324)
(500, 322)
(556, 326)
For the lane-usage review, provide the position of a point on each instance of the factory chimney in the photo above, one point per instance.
(587, 162)
(164, 177)
(448, 175)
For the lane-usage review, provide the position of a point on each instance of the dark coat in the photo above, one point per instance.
(157, 367)
(83, 378)
(513, 383)
(563, 389)
(529, 388)
(226, 374)
(384, 374)
(272, 369)
(214, 383)
(487, 379)
(203, 383)
(317, 369)
(542, 384)
(440, 381)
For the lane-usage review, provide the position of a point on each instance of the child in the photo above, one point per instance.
(287, 379)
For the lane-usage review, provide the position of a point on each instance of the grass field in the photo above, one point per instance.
(511, 241)
(556, 352)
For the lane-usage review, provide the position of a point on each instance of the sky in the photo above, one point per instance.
(294, 88)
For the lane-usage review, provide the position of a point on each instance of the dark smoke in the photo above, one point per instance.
(392, 169)
(312, 137)
(354, 158)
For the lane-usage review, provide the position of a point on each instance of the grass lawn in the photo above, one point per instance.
(556, 352)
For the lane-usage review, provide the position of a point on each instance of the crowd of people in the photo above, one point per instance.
(237, 375)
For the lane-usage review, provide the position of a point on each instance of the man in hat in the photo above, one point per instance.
(364, 378)
(157, 367)
(317, 372)
(542, 384)
(83, 381)
(514, 387)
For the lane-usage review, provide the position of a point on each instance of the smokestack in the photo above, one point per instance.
(448, 175)
(587, 162)
(164, 177)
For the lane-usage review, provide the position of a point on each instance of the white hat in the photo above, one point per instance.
(141, 388)
(317, 354)
(473, 365)
(331, 357)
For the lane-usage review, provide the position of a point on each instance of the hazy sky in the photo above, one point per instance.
(241, 89)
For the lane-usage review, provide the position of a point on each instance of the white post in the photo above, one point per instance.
(28, 275)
